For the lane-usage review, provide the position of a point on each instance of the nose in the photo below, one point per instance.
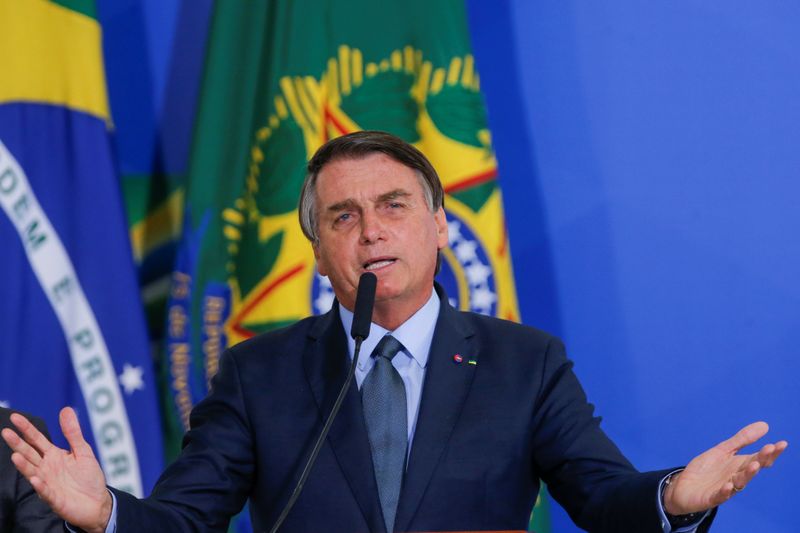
(372, 229)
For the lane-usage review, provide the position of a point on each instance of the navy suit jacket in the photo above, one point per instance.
(488, 429)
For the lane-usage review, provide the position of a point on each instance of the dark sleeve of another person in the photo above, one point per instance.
(21, 510)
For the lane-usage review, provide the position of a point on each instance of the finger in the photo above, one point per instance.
(32, 436)
(731, 488)
(11, 437)
(72, 431)
(724, 494)
(20, 446)
(42, 489)
(25, 467)
(777, 450)
(744, 437)
(741, 478)
(764, 455)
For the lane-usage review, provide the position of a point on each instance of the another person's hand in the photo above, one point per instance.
(713, 477)
(70, 482)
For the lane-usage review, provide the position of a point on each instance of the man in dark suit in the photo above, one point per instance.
(471, 411)
(21, 510)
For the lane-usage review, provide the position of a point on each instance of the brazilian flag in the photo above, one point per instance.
(72, 329)
(282, 78)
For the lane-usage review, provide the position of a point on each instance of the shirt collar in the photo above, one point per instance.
(416, 333)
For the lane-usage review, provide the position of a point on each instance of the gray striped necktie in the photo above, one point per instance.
(384, 398)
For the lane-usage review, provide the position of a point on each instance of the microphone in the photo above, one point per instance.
(365, 301)
(362, 319)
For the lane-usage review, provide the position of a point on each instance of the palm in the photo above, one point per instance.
(714, 476)
(76, 484)
(699, 485)
(72, 483)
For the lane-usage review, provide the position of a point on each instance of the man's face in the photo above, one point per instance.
(373, 218)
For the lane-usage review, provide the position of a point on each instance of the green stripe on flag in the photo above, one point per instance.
(84, 7)
(540, 517)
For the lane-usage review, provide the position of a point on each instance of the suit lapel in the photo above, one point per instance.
(443, 395)
(326, 362)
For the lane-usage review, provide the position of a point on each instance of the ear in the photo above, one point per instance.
(441, 228)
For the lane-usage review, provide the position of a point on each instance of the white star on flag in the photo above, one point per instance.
(131, 378)
(465, 251)
(324, 301)
(482, 299)
(477, 273)
(454, 231)
(4, 404)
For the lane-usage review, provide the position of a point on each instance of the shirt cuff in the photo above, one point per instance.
(662, 514)
(112, 521)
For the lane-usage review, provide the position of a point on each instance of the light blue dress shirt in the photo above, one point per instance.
(416, 335)
(691, 528)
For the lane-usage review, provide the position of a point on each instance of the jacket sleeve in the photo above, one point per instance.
(209, 481)
(586, 472)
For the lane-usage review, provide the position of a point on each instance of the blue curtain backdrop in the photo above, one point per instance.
(649, 161)
(650, 164)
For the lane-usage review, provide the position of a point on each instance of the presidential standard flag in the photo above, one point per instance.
(282, 78)
(72, 329)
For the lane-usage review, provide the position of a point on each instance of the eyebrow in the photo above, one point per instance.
(393, 195)
(352, 204)
(342, 206)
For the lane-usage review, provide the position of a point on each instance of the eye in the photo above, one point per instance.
(343, 218)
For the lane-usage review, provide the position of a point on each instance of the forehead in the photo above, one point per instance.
(364, 177)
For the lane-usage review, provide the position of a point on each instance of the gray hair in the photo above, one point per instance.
(356, 146)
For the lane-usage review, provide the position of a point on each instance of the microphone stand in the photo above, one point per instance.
(325, 429)
(362, 318)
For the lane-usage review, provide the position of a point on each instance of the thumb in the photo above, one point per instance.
(72, 431)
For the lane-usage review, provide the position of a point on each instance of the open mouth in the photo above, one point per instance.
(376, 264)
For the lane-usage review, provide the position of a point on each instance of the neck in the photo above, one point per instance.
(391, 319)
(391, 314)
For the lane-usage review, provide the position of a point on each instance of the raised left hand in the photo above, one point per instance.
(716, 475)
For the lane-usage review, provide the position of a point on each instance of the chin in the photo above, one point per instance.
(386, 292)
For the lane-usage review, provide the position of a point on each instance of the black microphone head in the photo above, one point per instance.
(365, 299)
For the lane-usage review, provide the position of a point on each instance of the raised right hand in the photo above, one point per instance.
(70, 482)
